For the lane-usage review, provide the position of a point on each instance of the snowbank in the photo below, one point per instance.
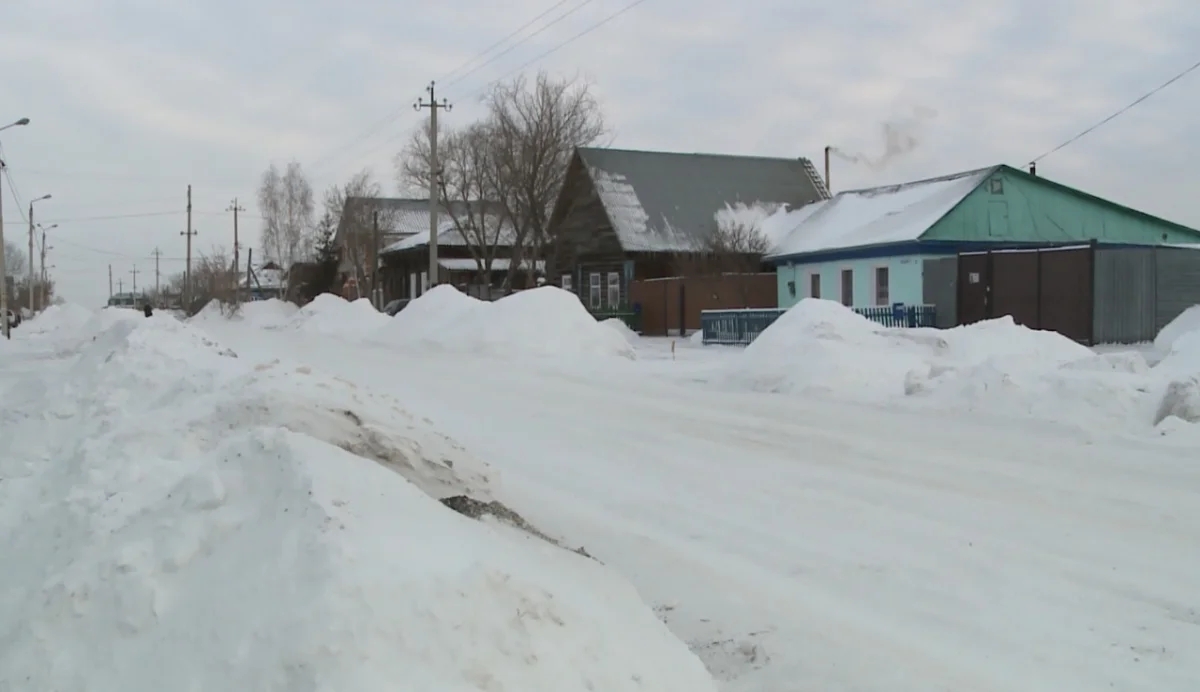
(545, 322)
(996, 366)
(330, 315)
(264, 314)
(192, 532)
(57, 319)
(618, 325)
(1187, 322)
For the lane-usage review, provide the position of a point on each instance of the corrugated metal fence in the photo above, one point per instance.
(1140, 290)
(1133, 293)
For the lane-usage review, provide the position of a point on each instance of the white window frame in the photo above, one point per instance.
(412, 285)
(565, 282)
(595, 292)
(814, 276)
(424, 282)
(887, 288)
(848, 301)
(613, 288)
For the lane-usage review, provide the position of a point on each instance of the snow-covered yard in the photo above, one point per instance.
(838, 507)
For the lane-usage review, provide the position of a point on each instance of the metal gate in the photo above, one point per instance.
(1040, 288)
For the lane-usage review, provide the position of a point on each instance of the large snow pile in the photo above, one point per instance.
(265, 314)
(545, 322)
(1187, 322)
(176, 518)
(57, 319)
(619, 326)
(996, 365)
(331, 315)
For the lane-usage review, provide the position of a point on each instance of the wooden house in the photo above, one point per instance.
(629, 215)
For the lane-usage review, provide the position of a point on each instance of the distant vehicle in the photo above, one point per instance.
(395, 306)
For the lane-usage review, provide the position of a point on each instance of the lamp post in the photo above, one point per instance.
(31, 273)
(44, 297)
(3, 264)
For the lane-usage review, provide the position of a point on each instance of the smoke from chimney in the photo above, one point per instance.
(900, 136)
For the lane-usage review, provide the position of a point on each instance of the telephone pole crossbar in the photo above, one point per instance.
(435, 174)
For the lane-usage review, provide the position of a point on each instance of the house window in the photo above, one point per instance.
(848, 287)
(996, 186)
(565, 282)
(614, 289)
(594, 294)
(792, 288)
(814, 285)
(882, 289)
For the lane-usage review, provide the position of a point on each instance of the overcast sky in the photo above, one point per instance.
(131, 100)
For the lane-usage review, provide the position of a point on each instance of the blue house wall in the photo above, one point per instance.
(905, 280)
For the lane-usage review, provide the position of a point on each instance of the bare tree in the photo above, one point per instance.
(351, 209)
(285, 202)
(14, 259)
(534, 128)
(213, 277)
(467, 188)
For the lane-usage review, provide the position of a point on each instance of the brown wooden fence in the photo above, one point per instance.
(672, 305)
(1046, 288)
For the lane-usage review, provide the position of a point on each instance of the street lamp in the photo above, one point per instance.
(30, 296)
(22, 121)
(45, 285)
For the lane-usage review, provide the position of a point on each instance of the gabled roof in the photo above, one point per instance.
(448, 235)
(398, 215)
(875, 216)
(666, 202)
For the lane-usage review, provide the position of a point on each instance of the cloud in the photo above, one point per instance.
(132, 99)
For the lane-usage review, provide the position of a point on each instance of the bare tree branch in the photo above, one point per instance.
(534, 129)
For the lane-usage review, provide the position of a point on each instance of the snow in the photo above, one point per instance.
(176, 516)
(540, 323)
(634, 228)
(995, 367)
(839, 506)
(331, 314)
(1186, 322)
(813, 542)
(499, 264)
(57, 318)
(499, 233)
(876, 216)
(618, 325)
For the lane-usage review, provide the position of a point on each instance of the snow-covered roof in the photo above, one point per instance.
(874, 216)
(267, 278)
(448, 235)
(666, 202)
(499, 264)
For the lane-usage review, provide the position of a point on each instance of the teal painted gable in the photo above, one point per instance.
(905, 281)
(1014, 206)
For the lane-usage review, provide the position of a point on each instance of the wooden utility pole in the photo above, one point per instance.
(134, 271)
(237, 295)
(3, 269)
(375, 240)
(435, 173)
(157, 254)
(110, 293)
(187, 271)
(120, 287)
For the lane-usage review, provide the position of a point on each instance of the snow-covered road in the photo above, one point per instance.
(806, 545)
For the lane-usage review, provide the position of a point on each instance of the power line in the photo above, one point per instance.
(501, 42)
(1119, 113)
(391, 117)
(508, 50)
(560, 46)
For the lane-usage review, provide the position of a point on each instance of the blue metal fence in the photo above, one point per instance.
(740, 327)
